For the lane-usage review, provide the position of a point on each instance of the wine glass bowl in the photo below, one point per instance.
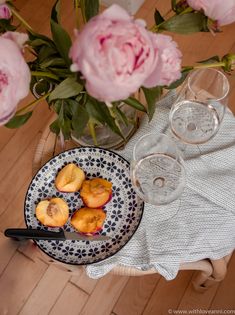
(198, 111)
(157, 170)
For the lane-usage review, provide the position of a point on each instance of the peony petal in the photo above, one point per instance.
(115, 13)
(16, 37)
(221, 11)
(16, 78)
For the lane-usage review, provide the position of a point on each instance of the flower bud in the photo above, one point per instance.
(229, 62)
(5, 12)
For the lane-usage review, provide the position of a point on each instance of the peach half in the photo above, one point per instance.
(96, 192)
(88, 221)
(70, 178)
(53, 212)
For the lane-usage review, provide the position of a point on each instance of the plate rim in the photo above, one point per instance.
(101, 259)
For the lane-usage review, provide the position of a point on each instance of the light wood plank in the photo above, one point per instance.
(168, 294)
(7, 250)
(21, 140)
(84, 282)
(108, 286)
(70, 302)
(5, 136)
(16, 177)
(16, 206)
(17, 282)
(225, 296)
(21, 271)
(149, 5)
(193, 299)
(136, 294)
(46, 292)
(30, 250)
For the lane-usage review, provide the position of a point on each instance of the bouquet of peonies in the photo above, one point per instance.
(112, 57)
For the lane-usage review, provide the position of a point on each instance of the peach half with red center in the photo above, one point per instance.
(96, 192)
(70, 178)
(53, 212)
(87, 220)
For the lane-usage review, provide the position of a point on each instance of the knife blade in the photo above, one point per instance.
(21, 234)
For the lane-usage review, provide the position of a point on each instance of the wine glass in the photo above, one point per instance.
(198, 111)
(157, 170)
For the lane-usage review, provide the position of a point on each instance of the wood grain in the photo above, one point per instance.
(168, 294)
(28, 283)
(46, 292)
(98, 303)
(17, 282)
(136, 295)
(71, 301)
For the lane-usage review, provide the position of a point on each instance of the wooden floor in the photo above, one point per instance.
(29, 285)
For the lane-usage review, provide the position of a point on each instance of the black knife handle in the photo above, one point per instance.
(21, 234)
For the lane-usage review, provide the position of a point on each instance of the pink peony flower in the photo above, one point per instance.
(18, 38)
(5, 12)
(14, 78)
(168, 67)
(117, 55)
(221, 11)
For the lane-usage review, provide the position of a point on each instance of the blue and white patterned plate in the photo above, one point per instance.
(124, 211)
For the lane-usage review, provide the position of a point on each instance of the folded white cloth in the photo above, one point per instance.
(201, 224)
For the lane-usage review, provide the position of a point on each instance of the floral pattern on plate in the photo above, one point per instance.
(124, 211)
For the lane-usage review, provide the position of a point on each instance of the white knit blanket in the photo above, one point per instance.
(201, 224)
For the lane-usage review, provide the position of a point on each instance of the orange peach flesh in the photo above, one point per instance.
(96, 192)
(88, 221)
(54, 212)
(70, 178)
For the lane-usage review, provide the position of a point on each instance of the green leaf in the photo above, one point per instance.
(5, 25)
(89, 8)
(66, 128)
(18, 121)
(173, 5)
(46, 52)
(67, 88)
(55, 12)
(186, 23)
(61, 72)
(35, 36)
(121, 115)
(62, 41)
(57, 106)
(133, 102)
(64, 122)
(157, 17)
(55, 127)
(177, 83)
(52, 62)
(79, 120)
(39, 42)
(99, 111)
(152, 95)
(210, 60)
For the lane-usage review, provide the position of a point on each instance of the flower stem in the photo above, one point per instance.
(19, 17)
(76, 6)
(44, 74)
(210, 65)
(91, 126)
(187, 10)
(22, 110)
